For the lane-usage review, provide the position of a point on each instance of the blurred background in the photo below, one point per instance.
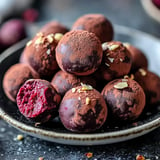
(139, 14)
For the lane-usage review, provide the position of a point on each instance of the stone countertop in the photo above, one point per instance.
(124, 12)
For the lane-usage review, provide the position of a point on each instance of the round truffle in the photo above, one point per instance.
(116, 61)
(83, 109)
(156, 3)
(125, 98)
(63, 81)
(37, 100)
(150, 83)
(12, 31)
(15, 77)
(97, 24)
(79, 53)
(53, 27)
(39, 53)
(139, 59)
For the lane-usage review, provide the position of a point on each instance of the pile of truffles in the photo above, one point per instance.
(82, 76)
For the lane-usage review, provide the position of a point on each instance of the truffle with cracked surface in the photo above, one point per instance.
(125, 98)
(83, 109)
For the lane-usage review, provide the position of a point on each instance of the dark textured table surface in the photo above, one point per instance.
(124, 12)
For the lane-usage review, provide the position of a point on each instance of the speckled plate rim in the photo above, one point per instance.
(82, 139)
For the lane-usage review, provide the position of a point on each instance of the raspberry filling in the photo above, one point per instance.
(35, 98)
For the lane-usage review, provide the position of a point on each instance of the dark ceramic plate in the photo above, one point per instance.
(54, 131)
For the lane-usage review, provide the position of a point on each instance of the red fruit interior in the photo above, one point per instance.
(35, 98)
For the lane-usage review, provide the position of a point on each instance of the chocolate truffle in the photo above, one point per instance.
(83, 109)
(12, 31)
(156, 3)
(125, 98)
(116, 61)
(63, 81)
(15, 77)
(53, 27)
(97, 24)
(150, 82)
(39, 53)
(139, 59)
(37, 100)
(79, 53)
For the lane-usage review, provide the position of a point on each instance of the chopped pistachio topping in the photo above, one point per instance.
(113, 47)
(121, 59)
(39, 40)
(124, 80)
(143, 72)
(107, 54)
(58, 36)
(121, 85)
(39, 34)
(86, 87)
(126, 44)
(107, 64)
(111, 59)
(132, 76)
(29, 43)
(126, 76)
(88, 100)
(48, 51)
(73, 90)
(50, 38)
(104, 46)
(79, 91)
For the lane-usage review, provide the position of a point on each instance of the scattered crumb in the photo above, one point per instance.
(135, 124)
(89, 155)
(37, 124)
(140, 157)
(41, 158)
(20, 137)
